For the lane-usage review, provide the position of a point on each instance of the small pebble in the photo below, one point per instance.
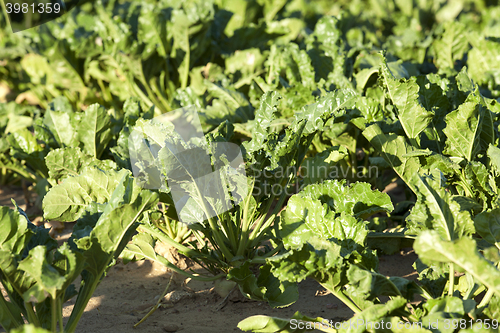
(171, 328)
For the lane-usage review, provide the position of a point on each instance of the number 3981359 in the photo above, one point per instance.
(33, 8)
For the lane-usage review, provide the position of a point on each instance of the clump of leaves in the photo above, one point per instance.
(39, 275)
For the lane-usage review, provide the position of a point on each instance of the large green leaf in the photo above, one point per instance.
(452, 45)
(61, 126)
(464, 126)
(436, 209)
(396, 152)
(369, 284)
(14, 231)
(357, 199)
(319, 259)
(329, 211)
(482, 58)
(68, 201)
(430, 248)
(322, 235)
(48, 280)
(64, 162)
(24, 146)
(264, 116)
(94, 130)
(404, 95)
(494, 155)
(110, 235)
(14, 235)
(52, 278)
(487, 225)
(265, 287)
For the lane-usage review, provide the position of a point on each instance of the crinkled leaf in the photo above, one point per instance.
(264, 116)
(306, 217)
(358, 199)
(66, 162)
(332, 104)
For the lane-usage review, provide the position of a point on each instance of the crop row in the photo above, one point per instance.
(329, 104)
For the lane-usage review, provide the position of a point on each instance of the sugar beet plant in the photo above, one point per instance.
(231, 244)
(39, 275)
(377, 92)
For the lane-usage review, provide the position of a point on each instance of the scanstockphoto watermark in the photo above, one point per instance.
(388, 325)
(352, 324)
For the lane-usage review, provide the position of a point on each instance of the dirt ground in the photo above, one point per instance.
(128, 292)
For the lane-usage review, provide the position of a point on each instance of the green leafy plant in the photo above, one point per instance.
(38, 275)
(231, 243)
(62, 142)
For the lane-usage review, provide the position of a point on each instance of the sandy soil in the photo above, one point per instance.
(128, 292)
